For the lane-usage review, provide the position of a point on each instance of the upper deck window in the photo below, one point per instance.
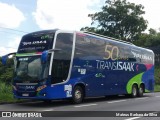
(36, 42)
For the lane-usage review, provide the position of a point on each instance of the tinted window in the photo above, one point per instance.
(62, 58)
(89, 47)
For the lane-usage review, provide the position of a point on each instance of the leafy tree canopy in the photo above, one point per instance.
(119, 19)
(151, 39)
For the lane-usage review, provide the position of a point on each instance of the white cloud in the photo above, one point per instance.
(4, 50)
(151, 8)
(15, 42)
(11, 17)
(10, 47)
(64, 14)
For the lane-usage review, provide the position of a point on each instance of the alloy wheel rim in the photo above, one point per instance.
(134, 91)
(78, 94)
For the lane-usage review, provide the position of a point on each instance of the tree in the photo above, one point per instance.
(6, 72)
(152, 31)
(151, 39)
(119, 19)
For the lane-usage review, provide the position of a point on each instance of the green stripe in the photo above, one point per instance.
(26, 54)
(136, 79)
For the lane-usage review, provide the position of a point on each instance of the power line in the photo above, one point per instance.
(13, 29)
(8, 47)
(10, 33)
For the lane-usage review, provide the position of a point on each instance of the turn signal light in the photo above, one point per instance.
(41, 87)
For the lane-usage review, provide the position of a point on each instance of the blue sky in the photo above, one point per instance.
(34, 15)
(9, 38)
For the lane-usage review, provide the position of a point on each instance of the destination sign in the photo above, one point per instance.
(32, 43)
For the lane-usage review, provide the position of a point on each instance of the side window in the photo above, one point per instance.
(125, 53)
(147, 57)
(89, 47)
(62, 58)
(81, 45)
(97, 47)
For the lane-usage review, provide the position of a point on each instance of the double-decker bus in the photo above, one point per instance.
(57, 64)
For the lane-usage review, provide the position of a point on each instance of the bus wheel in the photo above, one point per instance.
(140, 91)
(134, 91)
(78, 95)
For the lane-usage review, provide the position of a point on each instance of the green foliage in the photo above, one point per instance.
(5, 88)
(119, 19)
(157, 78)
(6, 72)
(157, 75)
(6, 95)
(157, 88)
(5, 92)
(152, 39)
(6, 75)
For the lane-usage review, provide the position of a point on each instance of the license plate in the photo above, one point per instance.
(25, 95)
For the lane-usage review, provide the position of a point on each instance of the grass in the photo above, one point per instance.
(157, 88)
(157, 78)
(6, 95)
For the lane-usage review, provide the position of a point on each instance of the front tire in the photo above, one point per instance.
(78, 95)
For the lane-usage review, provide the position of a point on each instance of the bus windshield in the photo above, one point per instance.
(30, 69)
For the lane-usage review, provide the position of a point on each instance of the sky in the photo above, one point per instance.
(19, 17)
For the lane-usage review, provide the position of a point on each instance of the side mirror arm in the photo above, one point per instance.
(5, 57)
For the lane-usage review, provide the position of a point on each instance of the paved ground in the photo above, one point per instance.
(110, 107)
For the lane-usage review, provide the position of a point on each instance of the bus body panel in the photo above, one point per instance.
(103, 66)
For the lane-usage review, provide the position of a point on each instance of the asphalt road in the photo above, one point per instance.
(117, 108)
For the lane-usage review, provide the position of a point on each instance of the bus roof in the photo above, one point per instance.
(108, 37)
(116, 40)
(42, 31)
(89, 33)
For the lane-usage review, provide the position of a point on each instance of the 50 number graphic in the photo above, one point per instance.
(111, 52)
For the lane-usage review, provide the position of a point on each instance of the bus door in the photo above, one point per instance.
(62, 58)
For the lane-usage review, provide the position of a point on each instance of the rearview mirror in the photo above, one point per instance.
(5, 58)
(44, 56)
